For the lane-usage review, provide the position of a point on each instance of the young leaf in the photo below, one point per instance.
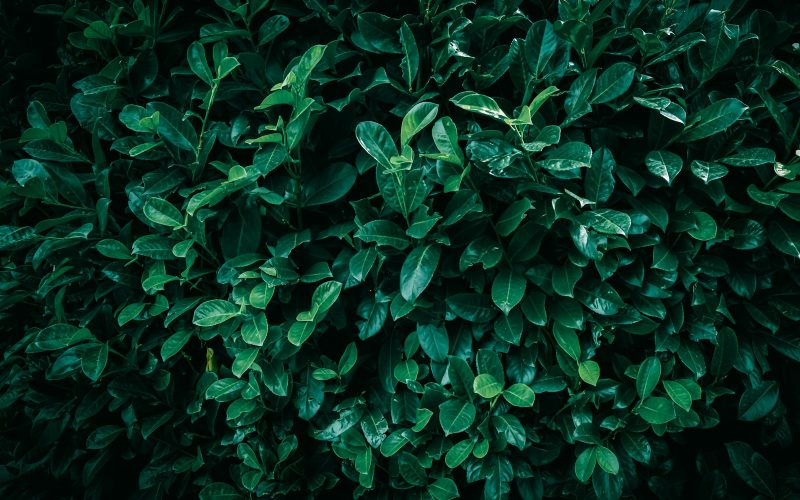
(417, 118)
(519, 395)
(486, 386)
(196, 55)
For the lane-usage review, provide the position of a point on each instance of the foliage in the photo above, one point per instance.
(429, 249)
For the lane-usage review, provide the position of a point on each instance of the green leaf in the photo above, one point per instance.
(162, 212)
(512, 216)
(300, 331)
(94, 361)
(758, 401)
(461, 376)
(113, 249)
(255, 329)
(348, 360)
(175, 343)
(443, 488)
(540, 46)
(750, 157)
(648, 376)
(589, 371)
(434, 342)
(458, 453)
(708, 171)
(752, 468)
(98, 30)
(406, 370)
(607, 460)
(219, 491)
(608, 221)
(411, 470)
(613, 82)
(599, 182)
(519, 395)
(486, 386)
(173, 128)
(213, 312)
(377, 142)
(508, 289)
(713, 119)
(568, 156)
(456, 416)
(656, 410)
(226, 67)
(664, 164)
(416, 119)
(324, 296)
(244, 360)
(725, 353)
(196, 55)
(383, 232)
(422, 418)
(271, 28)
(568, 340)
(665, 108)
(417, 271)
(678, 394)
(705, 227)
(785, 237)
(585, 464)
(478, 103)
(329, 184)
(410, 62)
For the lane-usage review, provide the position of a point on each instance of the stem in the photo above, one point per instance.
(214, 87)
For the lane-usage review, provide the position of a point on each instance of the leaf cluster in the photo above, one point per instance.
(425, 249)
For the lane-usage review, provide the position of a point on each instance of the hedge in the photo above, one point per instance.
(431, 249)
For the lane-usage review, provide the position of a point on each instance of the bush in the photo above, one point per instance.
(427, 249)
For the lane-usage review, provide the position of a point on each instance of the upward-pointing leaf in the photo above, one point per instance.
(508, 288)
(434, 341)
(94, 360)
(752, 467)
(725, 352)
(648, 376)
(410, 62)
(196, 55)
(599, 181)
(568, 340)
(377, 142)
(456, 415)
(540, 45)
(417, 271)
(417, 118)
(613, 82)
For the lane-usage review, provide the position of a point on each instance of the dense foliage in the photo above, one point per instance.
(430, 249)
